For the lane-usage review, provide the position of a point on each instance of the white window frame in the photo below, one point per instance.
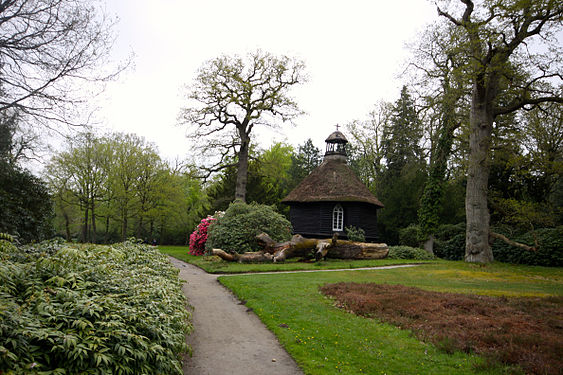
(338, 218)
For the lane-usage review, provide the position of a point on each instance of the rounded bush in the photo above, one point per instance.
(446, 232)
(452, 249)
(237, 229)
(410, 236)
(407, 252)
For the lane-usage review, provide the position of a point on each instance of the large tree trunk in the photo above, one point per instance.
(85, 227)
(124, 224)
(300, 246)
(140, 227)
(67, 225)
(106, 233)
(93, 238)
(242, 170)
(477, 248)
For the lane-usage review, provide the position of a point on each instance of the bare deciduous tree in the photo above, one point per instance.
(232, 95)
(51, 51)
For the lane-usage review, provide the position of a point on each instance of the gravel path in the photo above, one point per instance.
(228, 339)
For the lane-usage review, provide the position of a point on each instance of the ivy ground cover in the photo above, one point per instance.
(88, 309)
(326, 339)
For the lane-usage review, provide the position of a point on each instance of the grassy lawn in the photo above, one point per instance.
(324, 339)
(216, 265)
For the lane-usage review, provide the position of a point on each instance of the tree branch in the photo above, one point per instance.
(512, 243)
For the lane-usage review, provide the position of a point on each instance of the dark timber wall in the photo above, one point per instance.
(314, 219)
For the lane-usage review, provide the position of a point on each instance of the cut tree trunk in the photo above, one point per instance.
(300, 246)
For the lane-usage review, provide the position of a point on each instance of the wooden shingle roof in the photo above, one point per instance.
(334, 181)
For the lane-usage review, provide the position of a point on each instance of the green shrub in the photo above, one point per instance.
(26, 209)
(356, 234)
(410, 236)
(550, 252)
(87, 309)
(236, 230)
(407, 252)
(446, 232)
(452, 249)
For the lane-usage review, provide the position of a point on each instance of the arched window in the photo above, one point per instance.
(338, 218)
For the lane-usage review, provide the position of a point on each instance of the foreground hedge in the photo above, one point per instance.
(87, 309)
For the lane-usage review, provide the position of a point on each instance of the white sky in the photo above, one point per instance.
(354, 51)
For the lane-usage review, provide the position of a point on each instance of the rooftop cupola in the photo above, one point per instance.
(336, 146)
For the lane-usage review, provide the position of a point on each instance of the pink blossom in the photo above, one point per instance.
(199, 237)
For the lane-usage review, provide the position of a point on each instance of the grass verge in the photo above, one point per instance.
(327, 340)
(213, 264)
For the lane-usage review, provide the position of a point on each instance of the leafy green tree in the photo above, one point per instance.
(126, 151)
(505, 76)
(542, 140)
(25, 204)
(26, 208)
(366, 155)
(122, 179)
(443, 94)
(80, 171)
(307, 158)
(148, 186)
(181, 205)
(526, 161)
(232, 95)
(269, 179)
(400, 139)
(402, 180)
(272, 167)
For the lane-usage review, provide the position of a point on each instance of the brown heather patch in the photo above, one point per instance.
(516, 331)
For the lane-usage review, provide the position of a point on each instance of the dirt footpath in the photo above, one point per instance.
(227, 339)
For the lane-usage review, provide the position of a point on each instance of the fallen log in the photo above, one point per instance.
(300, 246)
(254, 257)
(358, 250)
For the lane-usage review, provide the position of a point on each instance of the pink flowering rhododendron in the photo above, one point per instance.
(199, 237)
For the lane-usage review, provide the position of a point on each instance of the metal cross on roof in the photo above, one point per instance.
(337, 126)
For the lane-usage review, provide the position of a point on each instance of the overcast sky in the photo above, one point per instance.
(353, 51)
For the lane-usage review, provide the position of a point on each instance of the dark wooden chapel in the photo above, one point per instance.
(333, 198)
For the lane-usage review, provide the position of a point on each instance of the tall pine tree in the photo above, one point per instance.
(403, 178)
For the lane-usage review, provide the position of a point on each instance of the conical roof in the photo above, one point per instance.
(336, 137)
(334, 181)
